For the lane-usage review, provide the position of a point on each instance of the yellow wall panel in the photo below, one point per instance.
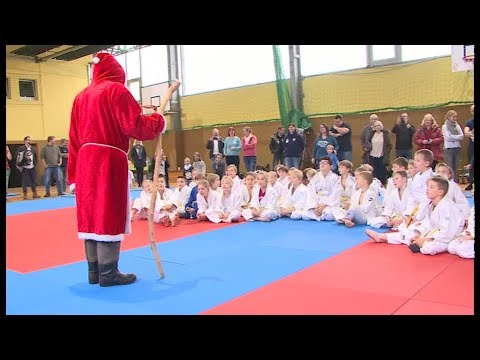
(57, 84)
(245, 104)
(413, 85)
(22, 121)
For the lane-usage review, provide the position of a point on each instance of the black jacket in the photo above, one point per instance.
(210, 147)
(277, 144)
(23, 161)
(139, 163)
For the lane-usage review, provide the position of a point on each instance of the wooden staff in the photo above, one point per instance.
(159, 153)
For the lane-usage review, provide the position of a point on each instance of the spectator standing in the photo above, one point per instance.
(364, 135)
(342, 131)
(468, 131)
(216, 145)
(138, 155)
(429, 136)
(452, 135)
(249, 146)
(52, 159)
(63, 147)
(231, 148)
(380, 153)
(8, 158)
(26, 160)
(323, 139)
(277, 146)
(164, 166)
(294, 146)
(404, 132)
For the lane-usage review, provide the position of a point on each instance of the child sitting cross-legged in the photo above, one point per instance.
(363, 203)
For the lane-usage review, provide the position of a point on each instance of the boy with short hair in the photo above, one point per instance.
(363, 203)
(442, 222)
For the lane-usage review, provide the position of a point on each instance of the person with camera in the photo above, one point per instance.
(8, 158)
(215, 144)
(404, 132)
(26, 160)
(469, 134)
(277, 146)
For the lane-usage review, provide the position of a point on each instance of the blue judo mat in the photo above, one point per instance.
(51, 203)
(202, 271)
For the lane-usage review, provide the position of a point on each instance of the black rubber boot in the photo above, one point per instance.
(92, 259)
(110, 276)
(108, 256)
(93, 272)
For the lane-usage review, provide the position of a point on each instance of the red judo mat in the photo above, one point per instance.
(368, 279)
(45, 239)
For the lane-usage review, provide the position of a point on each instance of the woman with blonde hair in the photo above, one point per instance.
(452, 136)
(249, 146)
(379, 156)
(429, 136)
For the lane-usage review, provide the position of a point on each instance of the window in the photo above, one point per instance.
(133, 64)
(322, 59)
(217, 67)
(27, 89)
(7, 89)
(154, 64)
(383, 54)
(416, 52)
(134, 87)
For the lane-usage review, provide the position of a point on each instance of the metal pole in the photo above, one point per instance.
(295, 76)
(173, 74)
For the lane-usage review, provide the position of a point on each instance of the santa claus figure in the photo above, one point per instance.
(104, 117)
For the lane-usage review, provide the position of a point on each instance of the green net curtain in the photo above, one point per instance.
(288, 114)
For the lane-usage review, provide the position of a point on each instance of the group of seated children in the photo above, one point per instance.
(425, 210)
(430, 213)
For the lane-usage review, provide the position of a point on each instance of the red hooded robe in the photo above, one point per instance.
(104, 117)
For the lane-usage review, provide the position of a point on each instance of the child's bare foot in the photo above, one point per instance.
(374, 235)
(166, 221)
(176, 220)
(349, 223)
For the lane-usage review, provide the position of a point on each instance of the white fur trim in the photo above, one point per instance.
(97, 237)
(96, 60)
(164, 125)
(72, 187)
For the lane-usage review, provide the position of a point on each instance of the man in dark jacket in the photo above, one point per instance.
(277, 146)
(215, 144)
(404, 132)
(26, 161)
(138, 155)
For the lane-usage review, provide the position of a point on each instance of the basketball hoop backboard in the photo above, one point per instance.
(463, 57)
(152, 94)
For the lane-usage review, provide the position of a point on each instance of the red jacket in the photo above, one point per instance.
(437, 140)
(106, 115)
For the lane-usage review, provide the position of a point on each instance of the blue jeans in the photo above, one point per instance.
(406, 153)
(8, 177)
(452, 159)
(64, 177)
(55, 170)
(292, 161)
(250, 162)
(277, 159)
(344, 155)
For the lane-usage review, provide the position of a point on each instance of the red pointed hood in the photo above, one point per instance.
(106, 67)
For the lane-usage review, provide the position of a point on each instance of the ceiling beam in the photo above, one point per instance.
(54, 55)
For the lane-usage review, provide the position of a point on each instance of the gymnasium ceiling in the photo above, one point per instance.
(40, 53)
